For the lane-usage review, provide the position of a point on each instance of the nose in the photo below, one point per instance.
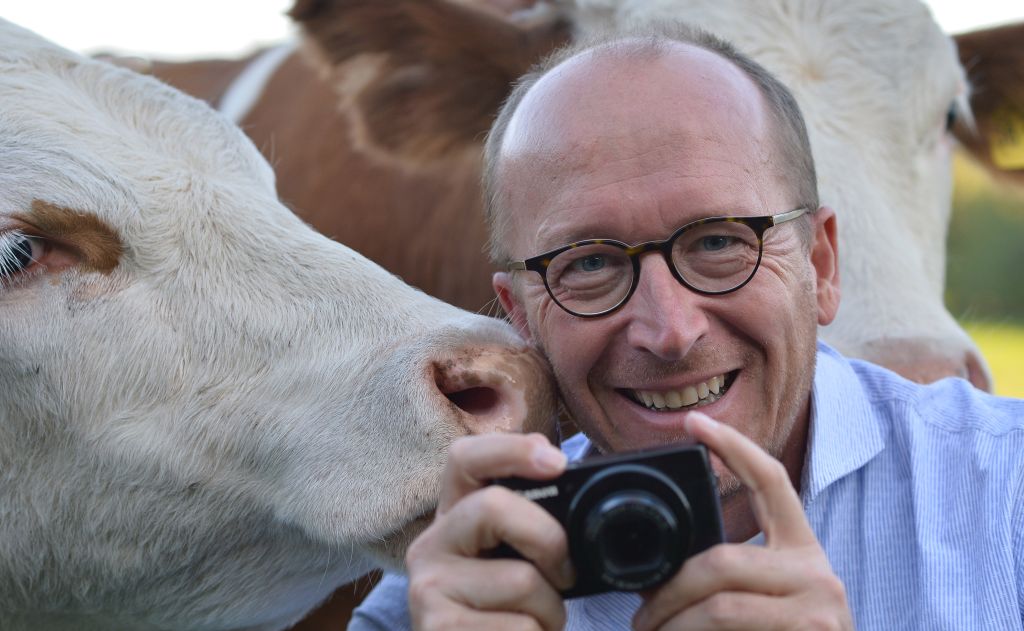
(666, 317)
(924, 361)
(498, 389)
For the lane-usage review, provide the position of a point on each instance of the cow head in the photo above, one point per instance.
(211, 415)
(880, 87)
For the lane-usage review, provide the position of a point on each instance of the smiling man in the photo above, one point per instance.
(653, 199)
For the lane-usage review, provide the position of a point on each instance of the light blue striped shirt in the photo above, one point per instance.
(916, 493)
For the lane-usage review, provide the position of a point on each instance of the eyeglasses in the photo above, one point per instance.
(711, 256)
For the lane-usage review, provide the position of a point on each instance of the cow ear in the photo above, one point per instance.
(436, 71)
(994, 60)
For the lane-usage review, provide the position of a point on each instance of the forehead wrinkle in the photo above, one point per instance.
(96, 241)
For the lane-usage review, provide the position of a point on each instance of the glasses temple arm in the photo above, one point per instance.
(789, 215)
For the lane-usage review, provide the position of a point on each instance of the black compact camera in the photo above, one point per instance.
(631, 518)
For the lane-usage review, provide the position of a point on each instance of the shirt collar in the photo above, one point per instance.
(844, 432)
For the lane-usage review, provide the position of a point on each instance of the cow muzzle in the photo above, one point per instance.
(924, 360)
(495, 389)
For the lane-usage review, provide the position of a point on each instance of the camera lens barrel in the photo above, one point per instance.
(631, 526)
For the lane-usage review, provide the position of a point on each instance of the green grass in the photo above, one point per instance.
(1002, 345)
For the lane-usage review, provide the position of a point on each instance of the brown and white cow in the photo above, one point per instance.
(210, 415)
(374, 125)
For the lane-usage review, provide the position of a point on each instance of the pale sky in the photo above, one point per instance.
(197, 28)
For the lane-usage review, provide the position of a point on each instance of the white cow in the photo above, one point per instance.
(879, 84)
(210, 415)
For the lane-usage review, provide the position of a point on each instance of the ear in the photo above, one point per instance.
(502, 283)
(994, 60)
(442, 69)
(825, 259)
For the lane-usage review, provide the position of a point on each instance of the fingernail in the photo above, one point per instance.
(700, 419)
(549, 458)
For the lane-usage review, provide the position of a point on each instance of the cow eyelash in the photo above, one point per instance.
(19, 252)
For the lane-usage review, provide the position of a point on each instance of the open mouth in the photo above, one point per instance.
(688, 398)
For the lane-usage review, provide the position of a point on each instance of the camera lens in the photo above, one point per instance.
(634, 528)
(633, 534)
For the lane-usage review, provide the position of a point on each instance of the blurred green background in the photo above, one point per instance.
(985, 270)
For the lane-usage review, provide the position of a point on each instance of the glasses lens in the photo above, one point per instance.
(716, 256)
(591, 278)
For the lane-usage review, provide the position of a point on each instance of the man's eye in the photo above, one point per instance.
(592, 263)
(716, 242)
(18, 251)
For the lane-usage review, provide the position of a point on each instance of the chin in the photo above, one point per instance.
(389, 551)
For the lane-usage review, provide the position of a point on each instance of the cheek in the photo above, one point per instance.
(557, 337)
(572, 345)
(779, 302)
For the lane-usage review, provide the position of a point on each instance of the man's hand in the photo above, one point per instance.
(787, 584)
(450, 586)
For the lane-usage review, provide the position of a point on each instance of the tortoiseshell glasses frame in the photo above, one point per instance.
(717, 253)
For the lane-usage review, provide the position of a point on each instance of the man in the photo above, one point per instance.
(910, 510)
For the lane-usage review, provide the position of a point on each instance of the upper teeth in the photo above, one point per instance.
(674, 399)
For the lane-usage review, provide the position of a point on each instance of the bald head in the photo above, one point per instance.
(634, 90)
(597, 92)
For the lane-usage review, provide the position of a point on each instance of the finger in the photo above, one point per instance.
(496, 514)
(775, 502)
(493, 515)
(452, 617)
(511, 585)
(734, 611)
(731, 568)
(447, 588)
(474, 461)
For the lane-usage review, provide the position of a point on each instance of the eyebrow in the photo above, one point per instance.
(574, 233)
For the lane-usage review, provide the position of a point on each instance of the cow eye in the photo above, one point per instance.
(951, 116)
(18, 252)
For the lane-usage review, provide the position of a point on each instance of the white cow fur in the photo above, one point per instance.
(238, 417)
(875, 79)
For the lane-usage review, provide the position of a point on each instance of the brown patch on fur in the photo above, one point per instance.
(448, 66)
(97, 244)
(994, 60)
(426, 224)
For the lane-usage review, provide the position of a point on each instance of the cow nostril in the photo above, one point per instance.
(493, 389)
(475, 401)
(469, 390)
